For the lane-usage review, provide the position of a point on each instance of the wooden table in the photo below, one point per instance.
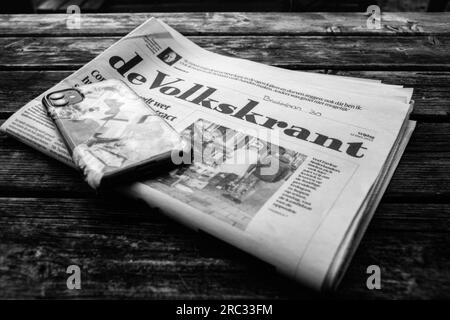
(50, 219)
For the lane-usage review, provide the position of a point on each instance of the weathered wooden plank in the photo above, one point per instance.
(64, 5)
(201, 5)
(53, 178)
(121, 245)
(23, 171)
(124, 212)
(412, 266)
(50, 5)
(294, 52)
(233, 23)
(92, 5)
(418, 217)
(431, 89)
(20, 87)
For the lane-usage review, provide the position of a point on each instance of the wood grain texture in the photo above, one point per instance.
(49, 218)
(126, 250)
(233, 23)
(293, 52)
(431, 89)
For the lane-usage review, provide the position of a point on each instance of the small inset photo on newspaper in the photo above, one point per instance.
(232, 174)
(169, 56)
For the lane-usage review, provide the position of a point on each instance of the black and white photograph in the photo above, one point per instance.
(135, 162)
(227, 177)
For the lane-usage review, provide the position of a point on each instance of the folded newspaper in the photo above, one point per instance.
(287, 165)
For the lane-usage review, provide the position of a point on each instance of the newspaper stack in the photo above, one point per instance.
(287, 165)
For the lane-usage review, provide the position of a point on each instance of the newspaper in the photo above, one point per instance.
(287, 165)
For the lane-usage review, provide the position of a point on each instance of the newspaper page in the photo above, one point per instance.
(329, 82)
(285, 165)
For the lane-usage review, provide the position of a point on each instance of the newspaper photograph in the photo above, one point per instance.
(229, 181)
